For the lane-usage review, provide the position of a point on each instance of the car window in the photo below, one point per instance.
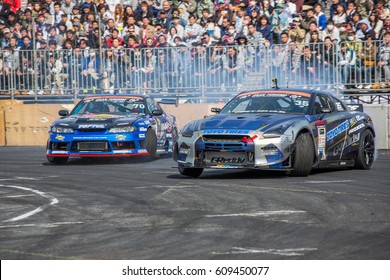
(323, 102)
(339, 105)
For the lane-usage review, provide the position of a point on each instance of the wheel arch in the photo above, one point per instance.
(307, 130)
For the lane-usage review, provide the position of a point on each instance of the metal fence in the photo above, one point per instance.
(197, 72)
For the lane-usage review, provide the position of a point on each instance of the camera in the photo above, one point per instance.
(298, 15)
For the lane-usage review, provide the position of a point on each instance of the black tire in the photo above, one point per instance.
(366, 154)
(191, 172)
(57, 160)
(303, 156)
(151, 143)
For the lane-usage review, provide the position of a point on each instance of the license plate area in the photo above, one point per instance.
(226, 158)
(94, 146)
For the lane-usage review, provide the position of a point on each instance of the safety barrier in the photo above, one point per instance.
(196, 72)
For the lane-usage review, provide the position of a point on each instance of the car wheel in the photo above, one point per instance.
(57, 160)
(303, 156)
(191, 172)
(366, 152)
(151, 143)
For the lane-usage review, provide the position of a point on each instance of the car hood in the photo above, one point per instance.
(246, 121)
(85, 121)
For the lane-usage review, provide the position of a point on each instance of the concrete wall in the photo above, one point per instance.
(381, 118)
(27, 125)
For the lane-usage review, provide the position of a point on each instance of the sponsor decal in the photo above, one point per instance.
(142, 151)
(227, 160)
(321, 152)
(122, 152)
(356, 128)
(90, 138)
(120, 137)
(143, 129)
(321, 129)
(142, 135)
(99, 116)
(60, 137)
(59, 152)
(349, 140)
(355, 119)
(337, 130)
(225, 131)
(339, 107)
(91, 126)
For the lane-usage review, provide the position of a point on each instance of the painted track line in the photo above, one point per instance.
(52, 201)
(258, 214)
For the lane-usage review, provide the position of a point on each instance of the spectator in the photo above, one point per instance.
(368, 58)
(279, 21)
(340, 15)
(331, 30)
(333, 10)
(381, 10)
(351, 10)
(309, 66)
(376, 25)
(233, 67)
(192, 30)
(308, 19)
(115, 35)
(296, 33)
(5, 10)
(347, 65)
(383, 65)
(91, 71)
(292, 63)
(265, 29)
(67, 7)
(329, 60)
(320, 17)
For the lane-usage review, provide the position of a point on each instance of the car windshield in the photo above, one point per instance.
(268, 102)
(111, 105)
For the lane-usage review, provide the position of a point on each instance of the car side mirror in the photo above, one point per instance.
(326, 110)
(216, 110)
(63, 113)
(157, 112)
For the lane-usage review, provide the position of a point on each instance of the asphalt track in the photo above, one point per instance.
(135, 209)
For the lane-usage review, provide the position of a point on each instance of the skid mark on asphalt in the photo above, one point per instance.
(258, 214)
(52, 201)
(50, 225)
(169, 187)
(282, 252)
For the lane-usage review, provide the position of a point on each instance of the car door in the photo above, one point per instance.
(158, 121)
(333, 131)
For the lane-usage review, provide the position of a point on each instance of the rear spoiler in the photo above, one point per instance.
(355, 107)
(168, 101)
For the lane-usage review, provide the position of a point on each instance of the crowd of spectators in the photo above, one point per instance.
(96, 42)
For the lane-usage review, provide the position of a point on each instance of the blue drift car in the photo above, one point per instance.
(111, 126)
(287, 130)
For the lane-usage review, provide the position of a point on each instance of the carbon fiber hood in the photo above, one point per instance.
(96, 120)
(246, 121)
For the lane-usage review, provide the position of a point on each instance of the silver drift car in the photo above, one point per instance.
(287, 130)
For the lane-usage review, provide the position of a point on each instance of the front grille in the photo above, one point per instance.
(223, 138)
(223, 142)
(222, 146)
(128, 145)
(92, 130)
(59, 146)
(90, 146)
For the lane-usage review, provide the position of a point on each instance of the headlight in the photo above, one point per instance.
(189, 129)
(277, 131)
(61, 129)
(123, 129)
